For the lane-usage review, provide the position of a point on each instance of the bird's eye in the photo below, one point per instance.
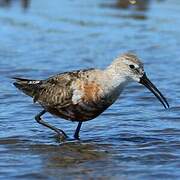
(131, 66)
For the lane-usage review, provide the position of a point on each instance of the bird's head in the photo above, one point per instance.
(132, 69)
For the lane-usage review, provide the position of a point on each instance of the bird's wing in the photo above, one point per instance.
(60, 90)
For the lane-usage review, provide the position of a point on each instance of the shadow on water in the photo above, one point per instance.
(8, 3)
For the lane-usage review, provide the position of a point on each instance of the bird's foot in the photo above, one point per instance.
(61, 136)
(62, 139)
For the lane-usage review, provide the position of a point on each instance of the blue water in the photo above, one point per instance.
(135, 138)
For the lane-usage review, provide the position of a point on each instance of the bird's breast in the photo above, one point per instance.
(88, 101)
(84, 91)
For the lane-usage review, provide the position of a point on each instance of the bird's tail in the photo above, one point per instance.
(29, 87)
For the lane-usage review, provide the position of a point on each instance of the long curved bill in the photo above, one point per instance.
(146, 82)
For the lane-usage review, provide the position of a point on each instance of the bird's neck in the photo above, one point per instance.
(116, 81)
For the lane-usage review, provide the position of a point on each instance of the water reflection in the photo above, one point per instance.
(141, 5)
(52, 157)
(137, 8)
(7, 3)
(71, 153)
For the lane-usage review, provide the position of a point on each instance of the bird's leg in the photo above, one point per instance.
(58, 131)
(76, 134)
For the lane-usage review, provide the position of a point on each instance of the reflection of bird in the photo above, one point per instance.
(83, 95)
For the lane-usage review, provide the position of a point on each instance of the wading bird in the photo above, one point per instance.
(84, 94)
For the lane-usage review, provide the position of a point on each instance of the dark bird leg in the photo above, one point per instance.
(76, 134)
(40, 121)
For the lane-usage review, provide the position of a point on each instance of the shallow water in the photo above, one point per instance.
(135, 138)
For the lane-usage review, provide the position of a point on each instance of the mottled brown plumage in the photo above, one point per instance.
(56, 95)
(84, 94)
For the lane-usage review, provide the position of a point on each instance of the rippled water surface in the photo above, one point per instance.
(135, 138)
